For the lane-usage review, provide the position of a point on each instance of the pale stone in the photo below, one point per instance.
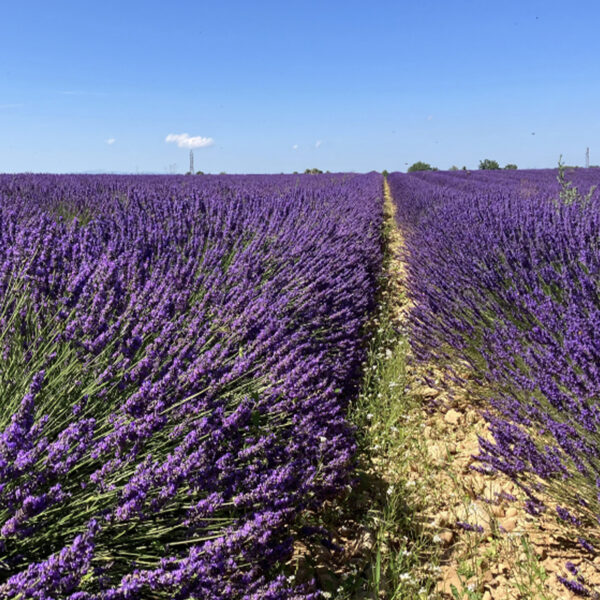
(449, 578)
(447, 537)
(427, 392)
(452, 417)
(443, 518)
(436, 452)
(487, 577)
(508, 524)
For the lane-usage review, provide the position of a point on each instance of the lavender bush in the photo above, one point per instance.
(505, 274)
(176, 357)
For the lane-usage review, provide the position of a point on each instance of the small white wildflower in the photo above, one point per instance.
(390, 490)
(389, 354)
(394, 429)
(411, 483)
(326, 594)
(369, 416)
(437, 539)
(393, 384)
(405, 552)
(405, 576)
(322, 439)
(471, 587)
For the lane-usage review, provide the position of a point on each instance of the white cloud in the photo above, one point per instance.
(183, 140)
(110, 141)
(318, 143)
(295, 147)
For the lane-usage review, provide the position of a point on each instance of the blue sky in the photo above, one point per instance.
(283, 86)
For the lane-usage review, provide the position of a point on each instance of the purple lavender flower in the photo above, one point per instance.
(504, 277)
(469, 527)
(174, 351)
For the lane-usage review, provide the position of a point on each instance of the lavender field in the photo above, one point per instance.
(177, 355)
(504, 271)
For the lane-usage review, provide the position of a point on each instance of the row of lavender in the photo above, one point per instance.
(505, 273)
(176, 354)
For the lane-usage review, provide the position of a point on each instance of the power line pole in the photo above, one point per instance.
(191, 162)
(587, 158)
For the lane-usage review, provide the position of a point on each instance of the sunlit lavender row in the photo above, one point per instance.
(505, 274)
(176, 358)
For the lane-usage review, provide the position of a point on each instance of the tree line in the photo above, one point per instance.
(485, 164)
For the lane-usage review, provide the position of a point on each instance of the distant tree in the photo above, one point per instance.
(199, 172)
(511, 166)
(453, 168)
(488, 164)
(295, 173)
(222, 173)
(385, 173)
(464, 168)
(419, 166)
(314, 171)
